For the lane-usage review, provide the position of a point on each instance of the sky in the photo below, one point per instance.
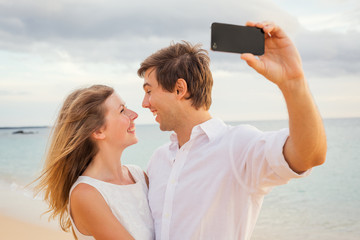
(49, 48)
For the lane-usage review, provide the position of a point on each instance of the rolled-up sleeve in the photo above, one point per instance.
(274, 155)
(261, 164)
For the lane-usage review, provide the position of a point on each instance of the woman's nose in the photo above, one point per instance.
(131, 114)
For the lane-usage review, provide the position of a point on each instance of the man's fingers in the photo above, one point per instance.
(252, 61)
(247, 56)
(267, 26)
(250, 24)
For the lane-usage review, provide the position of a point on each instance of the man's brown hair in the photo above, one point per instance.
(186, 61)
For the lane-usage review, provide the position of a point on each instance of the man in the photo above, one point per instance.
(210, 180)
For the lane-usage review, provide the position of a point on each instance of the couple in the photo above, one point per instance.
(208, 182)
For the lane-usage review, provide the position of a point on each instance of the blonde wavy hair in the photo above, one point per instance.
(71, 148)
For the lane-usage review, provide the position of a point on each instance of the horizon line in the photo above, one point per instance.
(228, 121)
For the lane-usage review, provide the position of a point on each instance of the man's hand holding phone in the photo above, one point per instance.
(281, 62)
(277, 58)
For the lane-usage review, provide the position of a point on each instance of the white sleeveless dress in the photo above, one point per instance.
(128, 203)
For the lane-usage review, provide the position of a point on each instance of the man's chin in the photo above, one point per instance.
(164, 127)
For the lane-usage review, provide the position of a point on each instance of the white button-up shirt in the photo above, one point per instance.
(213, 186)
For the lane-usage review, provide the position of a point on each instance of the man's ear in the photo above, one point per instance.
(181, 88)
(99, 134)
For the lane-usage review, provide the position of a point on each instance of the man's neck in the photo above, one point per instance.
(183, 131)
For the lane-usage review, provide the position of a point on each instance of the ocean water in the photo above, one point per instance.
(324, 205)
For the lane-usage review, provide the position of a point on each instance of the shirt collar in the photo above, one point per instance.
(211, 128)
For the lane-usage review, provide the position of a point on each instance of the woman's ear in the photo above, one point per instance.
(99, 134)
(181, 88)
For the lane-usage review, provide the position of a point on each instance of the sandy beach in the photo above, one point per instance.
(14, 229)
(21, 217)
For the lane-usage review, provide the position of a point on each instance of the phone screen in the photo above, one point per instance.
(237, 39)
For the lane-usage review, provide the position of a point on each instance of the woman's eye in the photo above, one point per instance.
(122, 110)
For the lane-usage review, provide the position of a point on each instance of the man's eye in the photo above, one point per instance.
(122, 110)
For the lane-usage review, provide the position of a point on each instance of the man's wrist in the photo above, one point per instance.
(293, 87)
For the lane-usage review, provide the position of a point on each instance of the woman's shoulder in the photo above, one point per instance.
(85, 196)
(85, 203)
(84, 182)
(83, 191)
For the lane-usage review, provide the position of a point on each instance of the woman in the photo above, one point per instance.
(83, 180)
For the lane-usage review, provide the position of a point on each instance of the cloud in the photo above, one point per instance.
(119, 30)
(50, 47)
(328, 53)
(108, 19)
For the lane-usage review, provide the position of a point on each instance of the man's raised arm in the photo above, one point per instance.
(281, 64)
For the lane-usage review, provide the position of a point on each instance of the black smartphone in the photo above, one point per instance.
(237, 39)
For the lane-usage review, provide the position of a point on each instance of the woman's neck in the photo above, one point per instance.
(106, 166)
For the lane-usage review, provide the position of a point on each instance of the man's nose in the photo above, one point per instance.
(145, 102)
